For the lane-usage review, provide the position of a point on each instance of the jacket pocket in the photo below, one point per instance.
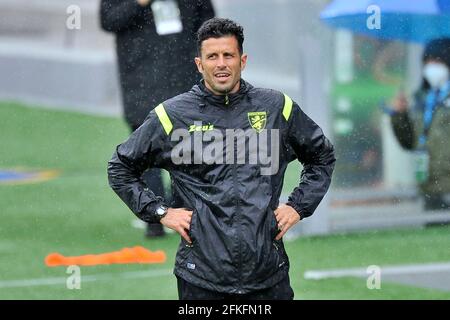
(273, 224)
(192, 233)
(185, 255)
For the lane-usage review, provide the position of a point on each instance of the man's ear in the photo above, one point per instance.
(198, 62)
(243, 61)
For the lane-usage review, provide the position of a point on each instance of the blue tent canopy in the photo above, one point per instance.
(407, 20)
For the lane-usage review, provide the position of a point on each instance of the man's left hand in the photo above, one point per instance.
(286, 217)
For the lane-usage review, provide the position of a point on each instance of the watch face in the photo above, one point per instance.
(161, 211)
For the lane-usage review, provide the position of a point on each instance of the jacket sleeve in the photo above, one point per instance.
(130, 160)
(403, 128)
(116, 15)
(316, 153)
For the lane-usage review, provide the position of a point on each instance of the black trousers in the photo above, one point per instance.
(281, 291)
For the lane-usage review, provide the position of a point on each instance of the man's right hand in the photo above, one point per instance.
(400, 103)
(178, 219)
(143, 3)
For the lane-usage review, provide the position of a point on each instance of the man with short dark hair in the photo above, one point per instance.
(226, 146)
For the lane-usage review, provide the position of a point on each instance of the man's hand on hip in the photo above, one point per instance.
(286, 217)
(178, 219)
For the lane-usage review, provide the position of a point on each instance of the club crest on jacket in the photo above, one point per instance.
(257, 120)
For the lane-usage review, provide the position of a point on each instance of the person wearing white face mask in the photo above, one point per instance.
(436, 73)
(424, 128)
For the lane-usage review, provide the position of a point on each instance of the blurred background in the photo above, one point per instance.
(61, 118)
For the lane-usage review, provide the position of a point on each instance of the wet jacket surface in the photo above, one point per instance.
(233, 225)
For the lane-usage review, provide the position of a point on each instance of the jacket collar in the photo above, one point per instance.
(222, 100)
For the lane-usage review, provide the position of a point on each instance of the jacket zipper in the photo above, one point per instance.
(236, 195)
(238, 216)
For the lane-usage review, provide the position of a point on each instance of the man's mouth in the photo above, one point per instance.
(222, 76)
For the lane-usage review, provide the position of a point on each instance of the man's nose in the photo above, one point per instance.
(221, 62)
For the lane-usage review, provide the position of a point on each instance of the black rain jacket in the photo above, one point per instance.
(233, 226)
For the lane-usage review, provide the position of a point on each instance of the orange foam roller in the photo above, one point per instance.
(136, 254)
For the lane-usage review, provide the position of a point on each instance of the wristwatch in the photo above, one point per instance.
(161, 211)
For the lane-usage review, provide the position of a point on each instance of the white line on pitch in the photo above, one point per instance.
(387, 270)
(86, 278)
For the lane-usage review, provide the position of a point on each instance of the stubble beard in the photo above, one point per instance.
(227, 89)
